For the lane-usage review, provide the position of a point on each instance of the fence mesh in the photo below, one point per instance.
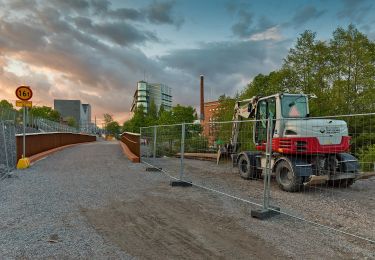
(8, 156)
(331, 162)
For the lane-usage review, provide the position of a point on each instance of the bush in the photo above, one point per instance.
(367, 158)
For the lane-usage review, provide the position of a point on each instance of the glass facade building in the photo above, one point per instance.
(159, 93)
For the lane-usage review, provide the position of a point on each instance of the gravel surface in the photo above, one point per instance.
(350, 210)
(90, 202)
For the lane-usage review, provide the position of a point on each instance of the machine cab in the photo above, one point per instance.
(278, 107)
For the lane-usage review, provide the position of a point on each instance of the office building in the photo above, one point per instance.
(145, 92)
(74, 108)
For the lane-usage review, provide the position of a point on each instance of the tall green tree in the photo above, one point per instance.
(183, 114)
(113, 128)
(107, 118)
(4, 104)
(44, 112)
(353, 63)
(136, 122)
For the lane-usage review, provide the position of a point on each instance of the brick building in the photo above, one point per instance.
(210, 111)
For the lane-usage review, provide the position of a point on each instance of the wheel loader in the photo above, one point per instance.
(305, 151)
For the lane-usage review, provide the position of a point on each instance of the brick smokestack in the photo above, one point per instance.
(202, 98)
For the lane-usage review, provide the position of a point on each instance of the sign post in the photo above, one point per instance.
(24, 93)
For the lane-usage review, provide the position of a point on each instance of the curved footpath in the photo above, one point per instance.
(89, 201)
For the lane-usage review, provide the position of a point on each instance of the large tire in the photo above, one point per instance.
(343, 183)
(286, 177)
(246, 168)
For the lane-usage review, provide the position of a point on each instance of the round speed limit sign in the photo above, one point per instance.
(24, 92)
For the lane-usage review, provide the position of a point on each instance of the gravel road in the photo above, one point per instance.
(90, 202)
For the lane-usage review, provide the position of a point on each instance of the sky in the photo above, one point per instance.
(97, 50)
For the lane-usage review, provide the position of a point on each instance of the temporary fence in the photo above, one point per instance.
(317, 170)
(8, 156)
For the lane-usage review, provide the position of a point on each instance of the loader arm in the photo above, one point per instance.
(243, 109)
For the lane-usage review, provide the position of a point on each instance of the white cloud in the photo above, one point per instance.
(272, 33)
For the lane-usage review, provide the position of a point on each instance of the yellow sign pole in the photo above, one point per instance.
(24, 93)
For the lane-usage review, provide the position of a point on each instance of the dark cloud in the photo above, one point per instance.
(22, 5)
(306, 14)
(127, 14)
(155, 13)
(74, 5)
(120, 33)
(355, 10)
(123, 34)
(161, 13)
(68, 52)
(20, 36)
(245, 26)
(100, 6)
(79, 57)
(227, 64)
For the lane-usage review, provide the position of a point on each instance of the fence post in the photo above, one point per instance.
(267, 175)
(24, 134)
(182, 151)
(140, 144)
(181, 182)
(154, 150)
(6, 150)
(267, 211)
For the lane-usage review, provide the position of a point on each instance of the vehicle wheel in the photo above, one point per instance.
(343, 183)
(246, 168)
(286, 177)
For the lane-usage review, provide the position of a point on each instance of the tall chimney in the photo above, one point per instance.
(202, 98)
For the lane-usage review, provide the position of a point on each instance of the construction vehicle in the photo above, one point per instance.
(305, 150)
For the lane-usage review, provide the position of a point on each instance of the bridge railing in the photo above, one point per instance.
(11, 124)
(131, 145)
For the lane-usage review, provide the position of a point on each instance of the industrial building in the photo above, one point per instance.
(146, 92)
(74, 108)
(208, 115)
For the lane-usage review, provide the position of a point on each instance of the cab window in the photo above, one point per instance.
(294, 106)
(265, 109)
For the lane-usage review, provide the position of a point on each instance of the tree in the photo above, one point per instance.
(161, 110)
(151, 117)
(71, 121)
(182, 114)
(352, 60)
(45, 112)
(4, 104)
(7, 111)
(113, 128)
(137, 121)
(107, 118)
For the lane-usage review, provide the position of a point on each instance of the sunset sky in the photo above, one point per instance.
(96, 50)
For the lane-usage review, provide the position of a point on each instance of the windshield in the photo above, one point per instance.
(294, 106)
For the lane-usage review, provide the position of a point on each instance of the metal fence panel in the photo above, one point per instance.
(340, 147)
(8, 155)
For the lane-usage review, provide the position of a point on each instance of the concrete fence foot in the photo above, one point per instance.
(180, 184)
(265, 213)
